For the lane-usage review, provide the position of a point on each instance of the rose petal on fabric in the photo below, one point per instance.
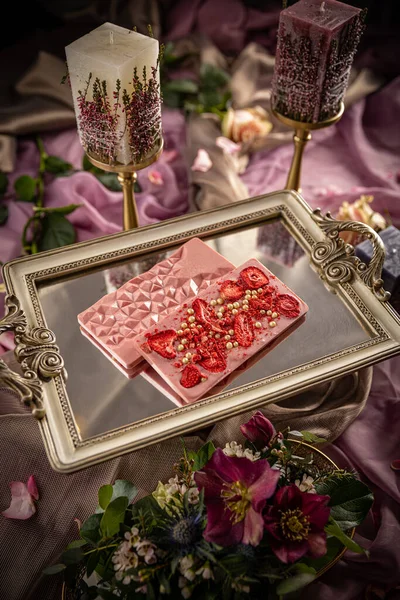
(202, 162)
(253, 528)
(170, 155)
(227, 145)
(22, 506)
(32, 487)
(155, 177)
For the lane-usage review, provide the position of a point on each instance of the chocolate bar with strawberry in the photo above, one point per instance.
(197, 345)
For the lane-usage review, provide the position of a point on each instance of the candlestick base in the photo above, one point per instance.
(301, 136)
(127, 176)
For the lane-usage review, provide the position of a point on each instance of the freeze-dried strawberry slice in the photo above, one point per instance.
(253, 278)
(191, 376)
(243, 327)
(215, 363)
(231, 290)
(204, 315)
(287, 305)
(162, 343)
(262, 302)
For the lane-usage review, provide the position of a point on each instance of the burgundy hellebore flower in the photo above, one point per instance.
(259, 430)
(235, 493)
(295, 523)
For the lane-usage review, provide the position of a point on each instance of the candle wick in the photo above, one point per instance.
(111, 37)
(322, 7)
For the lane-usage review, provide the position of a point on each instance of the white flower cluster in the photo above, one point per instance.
(169, 496)
(130, 553)
(306, 484)
(189, 571)
(235, 449)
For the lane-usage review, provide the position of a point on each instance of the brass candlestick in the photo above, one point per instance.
(301, 136)
(127, 176)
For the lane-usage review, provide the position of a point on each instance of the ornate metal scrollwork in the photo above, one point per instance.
(38, 354)
(337, 261)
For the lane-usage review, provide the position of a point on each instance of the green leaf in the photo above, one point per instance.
(57, 231)
(53, 569)
(62, 210)
(333, 528)
(203, 456)
(334, 546)
(105, 495)
(124, 488)
(72, 556)
(87, 165)
(172, 99)
(311, 438)
(25, 187)
(292, 584)
(350, 500)
(56, 165)
(110, 181)
(76, 544)
(181, 86)
(210, 98)
(113, 516)
(92, 563)
(3, 183)
(212, 76)
(3, 214)
(90, 530)
(105, 594)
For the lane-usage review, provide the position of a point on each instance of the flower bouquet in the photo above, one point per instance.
(258, 520)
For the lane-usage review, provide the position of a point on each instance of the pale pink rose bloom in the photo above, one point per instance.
(155, 177)
(202, 162)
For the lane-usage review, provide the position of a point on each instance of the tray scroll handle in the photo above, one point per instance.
(336, 259)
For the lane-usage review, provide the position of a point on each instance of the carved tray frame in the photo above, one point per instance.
(42, 382)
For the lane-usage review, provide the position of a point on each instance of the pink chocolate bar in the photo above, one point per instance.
(113, 322)
(207, 338)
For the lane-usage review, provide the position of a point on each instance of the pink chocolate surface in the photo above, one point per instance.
(113, 322)
(198, 345)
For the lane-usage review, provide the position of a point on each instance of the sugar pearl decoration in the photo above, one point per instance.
(180, 332)
(245, 302)
(236, 344)
(220, 300)
(272, 324)
(188, 355)
(262, 312)
(269, 312)
(213, 302)
(245, 306)
(190, 311)
(185, 360)
(230, 306)
(231, 332)
(220, 315)
(258, 324)
(227, 337)
(191, 319)
(181, 347)
(184, 325)
(236, 305)
(204, 379)
(217, 335)
(235, 311)
(274, 315)
(184, 341)
(229, 345)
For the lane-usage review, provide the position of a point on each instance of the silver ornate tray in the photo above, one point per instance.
(96, 413)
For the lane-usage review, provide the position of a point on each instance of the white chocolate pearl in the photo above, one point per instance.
(220, 315)
(234, 312)
(191, 319)
(180, 332)
(258, 324)
(254, 293)
(222, 309)
(230, 306)
(181, 347)
(184, 341)
(199, 326)
(262, 312)
(259, 290)
(272, 324)
(188, 355)
(211, 334)
(236, 305)
(213, 302)
(245, 302)
(184, 325)
(236, 344)
(269, 312)
(217, 335)
(245, 307)
(248, 291)
(220, 300)
(185, 360)
(190, 311)
(231, 332)
(227, 337)
(229, 345)
(274, 315)
(193, 325)
(204, 379)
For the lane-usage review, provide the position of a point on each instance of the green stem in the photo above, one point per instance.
(101, 548)
(25, 244)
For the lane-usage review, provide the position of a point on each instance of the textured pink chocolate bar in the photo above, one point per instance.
(116, 319)
(203, 341)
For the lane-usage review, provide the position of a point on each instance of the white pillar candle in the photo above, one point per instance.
(114, 77)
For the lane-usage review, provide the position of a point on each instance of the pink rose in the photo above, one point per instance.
(244, 125)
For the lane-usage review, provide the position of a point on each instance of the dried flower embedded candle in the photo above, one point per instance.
(114, 76)
(317, 42)
(225, 332)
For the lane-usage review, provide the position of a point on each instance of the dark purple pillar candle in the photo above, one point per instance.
(317, 42)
